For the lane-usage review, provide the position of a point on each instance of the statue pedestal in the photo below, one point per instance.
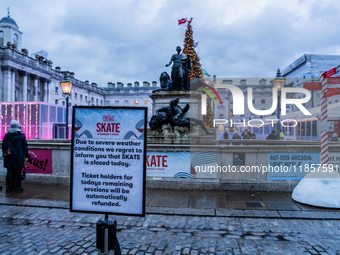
(193, 98)
(179, 135)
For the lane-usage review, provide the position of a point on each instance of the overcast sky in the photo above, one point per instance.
(132, 40)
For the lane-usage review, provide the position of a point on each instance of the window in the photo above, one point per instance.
(97, 101)
(117, 102)
(136, 102)
(145, 101)
(75, 95)
(2, 34)
(15, 39)
(63, 102)
(81, 97)
(85, 98)
(253, 101)
(231, 102)
(56, 101)
(56, 90)
(101, 102)
(92, 100)
(263, 101)
(126, 102)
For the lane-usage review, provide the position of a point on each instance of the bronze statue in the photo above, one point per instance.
(165, 82)
(173, 114)
(178, 69)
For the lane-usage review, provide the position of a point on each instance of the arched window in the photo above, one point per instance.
(2, 35)
(15, 39)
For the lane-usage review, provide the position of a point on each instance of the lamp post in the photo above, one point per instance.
(66, 87)
(278, 82)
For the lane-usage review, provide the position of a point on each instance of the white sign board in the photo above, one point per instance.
(108, 168)
(168, 164)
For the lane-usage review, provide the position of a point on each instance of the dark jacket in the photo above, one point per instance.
(236, 136)
(271, 136)
(225, 135)
(17, 142)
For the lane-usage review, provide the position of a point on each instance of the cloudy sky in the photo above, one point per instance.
(132, 40)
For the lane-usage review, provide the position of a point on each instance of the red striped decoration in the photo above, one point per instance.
(324, 118)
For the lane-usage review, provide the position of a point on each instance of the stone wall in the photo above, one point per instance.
(255, 151)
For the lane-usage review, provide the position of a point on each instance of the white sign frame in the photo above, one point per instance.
(108, 160)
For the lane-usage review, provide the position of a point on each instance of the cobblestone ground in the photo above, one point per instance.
(35, 230)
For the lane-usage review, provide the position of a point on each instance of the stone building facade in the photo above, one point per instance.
(31, 78)
(28, 77)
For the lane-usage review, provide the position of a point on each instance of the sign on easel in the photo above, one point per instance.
(108, 166)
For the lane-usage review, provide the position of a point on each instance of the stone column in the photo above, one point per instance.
(24, 87)
(45, 91)
(7, 85)
(13, 87)
(36, 89)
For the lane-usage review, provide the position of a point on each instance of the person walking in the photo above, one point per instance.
(14, 161)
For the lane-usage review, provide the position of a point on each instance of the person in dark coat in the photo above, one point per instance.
(15, 162)
(225, 135)
(246, 134)
(272, 135)
(236, 135)
(253, 136)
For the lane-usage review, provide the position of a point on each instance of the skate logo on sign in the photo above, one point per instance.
(108, 126)
(157, 161)
(108, 117)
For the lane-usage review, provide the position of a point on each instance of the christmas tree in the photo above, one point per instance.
(208, 119)
(196, 70)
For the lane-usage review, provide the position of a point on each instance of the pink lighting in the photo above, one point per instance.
(38, 120)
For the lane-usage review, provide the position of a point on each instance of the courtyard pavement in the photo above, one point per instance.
(38, 221)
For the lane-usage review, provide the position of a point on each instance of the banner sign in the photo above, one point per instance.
(332, 92)
(168, 164)
(39, 161)
(108, 160)
(333, 80)
(312, 85)
(329, 73)
(239, 159)
(291, 165)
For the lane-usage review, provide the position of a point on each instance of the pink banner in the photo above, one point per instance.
(39, 161)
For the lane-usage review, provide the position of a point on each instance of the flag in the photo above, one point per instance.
(195, 44)
(328, 73)
(182, 21)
